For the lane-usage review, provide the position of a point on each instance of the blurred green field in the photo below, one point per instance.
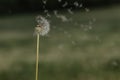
(87, 48)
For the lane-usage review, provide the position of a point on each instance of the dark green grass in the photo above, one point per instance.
(52, 71)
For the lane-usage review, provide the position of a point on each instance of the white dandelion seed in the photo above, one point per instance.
(63, 18)
(59, 0)
(45, 11)
(81, 5)
(43, 26)
(44, 1)
(76, 3)
(70, 11)
(55, 12)
(65, 4)
(87, 10)
(48, 15)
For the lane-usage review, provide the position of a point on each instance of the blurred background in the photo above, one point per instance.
(83, 43)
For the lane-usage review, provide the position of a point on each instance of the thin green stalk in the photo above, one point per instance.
(37, 57)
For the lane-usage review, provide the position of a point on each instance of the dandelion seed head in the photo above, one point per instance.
(43, 26)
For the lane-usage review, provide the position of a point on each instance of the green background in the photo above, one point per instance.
(84, 48)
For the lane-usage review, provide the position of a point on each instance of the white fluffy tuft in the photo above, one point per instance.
(44, 25)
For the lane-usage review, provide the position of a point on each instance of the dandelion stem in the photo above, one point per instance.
(37, 57)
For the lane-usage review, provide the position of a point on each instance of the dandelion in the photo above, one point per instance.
(43, 26)
(42, 29)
